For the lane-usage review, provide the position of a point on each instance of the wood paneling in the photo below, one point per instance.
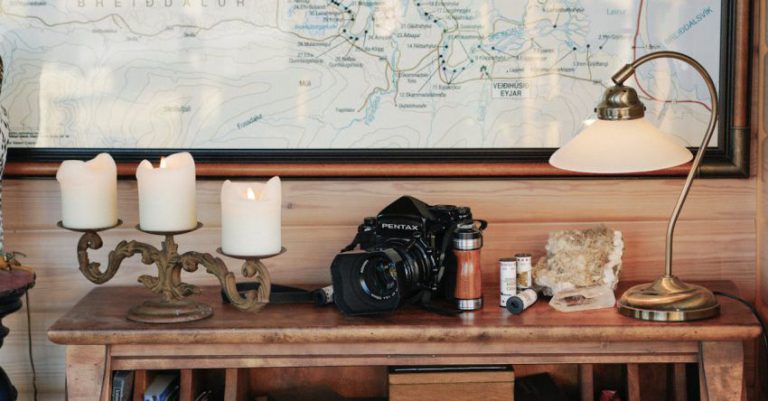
(715, 238)
(760, 125)
(34, 204)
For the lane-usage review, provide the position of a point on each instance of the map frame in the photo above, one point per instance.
(730, 158)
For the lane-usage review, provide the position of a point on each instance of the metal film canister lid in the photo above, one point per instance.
(515, 305)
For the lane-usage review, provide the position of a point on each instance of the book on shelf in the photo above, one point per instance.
(164, 387)
(122, 385)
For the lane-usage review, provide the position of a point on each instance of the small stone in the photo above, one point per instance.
(580, 258)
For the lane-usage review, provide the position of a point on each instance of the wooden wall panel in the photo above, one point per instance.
(33, 204)
(715, 238)
(760, 125)
(704, 250)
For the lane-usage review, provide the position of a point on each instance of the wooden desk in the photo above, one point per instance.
(99, 339)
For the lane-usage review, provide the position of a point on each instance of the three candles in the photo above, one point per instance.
(251, 212)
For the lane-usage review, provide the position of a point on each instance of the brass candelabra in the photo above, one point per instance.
(172, 306)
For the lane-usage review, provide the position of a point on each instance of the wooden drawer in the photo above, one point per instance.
(452, 386)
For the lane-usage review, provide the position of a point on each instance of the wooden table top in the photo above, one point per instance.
(99, 318)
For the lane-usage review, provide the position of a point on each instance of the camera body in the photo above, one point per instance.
(404, 251)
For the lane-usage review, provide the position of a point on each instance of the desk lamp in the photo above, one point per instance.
(622, 141)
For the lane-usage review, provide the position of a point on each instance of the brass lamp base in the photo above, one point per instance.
(668, 299)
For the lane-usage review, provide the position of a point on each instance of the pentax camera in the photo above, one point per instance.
(405, 256)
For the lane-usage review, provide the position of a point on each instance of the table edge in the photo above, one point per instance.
(414, 335)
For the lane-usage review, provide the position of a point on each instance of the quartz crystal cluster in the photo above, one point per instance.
(580, 258)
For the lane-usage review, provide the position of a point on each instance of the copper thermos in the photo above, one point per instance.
(467, 242)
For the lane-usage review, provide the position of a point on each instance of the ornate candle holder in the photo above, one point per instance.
(171, 306)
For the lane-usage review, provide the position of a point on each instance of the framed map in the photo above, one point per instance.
(375, 81)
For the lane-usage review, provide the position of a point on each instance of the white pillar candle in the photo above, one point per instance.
(167, 194)
(88, 192)
(251, 218)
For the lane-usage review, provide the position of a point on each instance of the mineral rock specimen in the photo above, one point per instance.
(580, 299)
(580, 258)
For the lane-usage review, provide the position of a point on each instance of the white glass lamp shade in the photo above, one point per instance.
(621, 146)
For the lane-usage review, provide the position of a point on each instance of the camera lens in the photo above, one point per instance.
(378, 276)
(379, 280)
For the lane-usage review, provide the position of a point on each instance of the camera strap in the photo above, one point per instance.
(424, 298)
(352, 245)
(447, 238)
(279, 294)
(426, 303)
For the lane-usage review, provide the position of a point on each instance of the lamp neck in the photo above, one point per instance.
(625, 73)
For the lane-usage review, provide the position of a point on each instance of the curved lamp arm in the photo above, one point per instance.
(625, 73)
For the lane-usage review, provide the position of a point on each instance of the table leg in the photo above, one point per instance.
(587, 382)
(721, 371)
(680, 382)
(235, 384)
(633, 382)
(88, 374)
